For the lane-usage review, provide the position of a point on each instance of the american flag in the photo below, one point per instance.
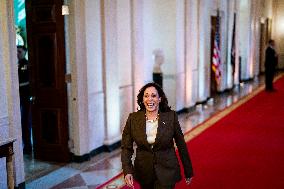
(216, 57)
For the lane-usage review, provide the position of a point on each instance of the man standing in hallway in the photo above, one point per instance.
(24, 89)
(270, 65)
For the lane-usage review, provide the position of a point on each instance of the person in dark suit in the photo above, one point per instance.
(270, 65)
(24, 90)
(154, 129)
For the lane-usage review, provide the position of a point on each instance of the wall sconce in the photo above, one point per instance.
(262, 20)
(65, 10)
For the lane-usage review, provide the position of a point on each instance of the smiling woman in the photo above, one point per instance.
(151, 101)
(154, 128)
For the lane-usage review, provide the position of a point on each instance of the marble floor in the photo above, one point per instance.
(102, 167)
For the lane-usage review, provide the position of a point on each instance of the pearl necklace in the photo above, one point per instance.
(153, 120)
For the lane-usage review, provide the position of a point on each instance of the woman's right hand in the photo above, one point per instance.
(129, 180)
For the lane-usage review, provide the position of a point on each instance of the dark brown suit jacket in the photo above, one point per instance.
(157, 161)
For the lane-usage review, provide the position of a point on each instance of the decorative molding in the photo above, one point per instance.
(88, 156)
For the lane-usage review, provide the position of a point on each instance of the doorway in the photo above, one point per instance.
(40, 28)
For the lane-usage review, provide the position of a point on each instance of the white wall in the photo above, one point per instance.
(160, 33)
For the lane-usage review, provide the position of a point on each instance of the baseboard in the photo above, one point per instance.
(88, 156)
(80, 159)
(112, 147)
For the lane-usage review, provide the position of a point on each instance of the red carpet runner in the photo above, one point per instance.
(242, 150)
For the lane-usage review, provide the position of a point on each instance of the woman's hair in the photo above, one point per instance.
(163, 105)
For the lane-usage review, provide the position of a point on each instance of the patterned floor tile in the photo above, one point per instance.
(75, 181)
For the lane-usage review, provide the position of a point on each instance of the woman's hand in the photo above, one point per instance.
(188, 181)
(129, 180)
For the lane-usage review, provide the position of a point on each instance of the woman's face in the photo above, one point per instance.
(151, 99)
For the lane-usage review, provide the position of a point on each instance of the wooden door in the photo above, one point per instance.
(45, 31)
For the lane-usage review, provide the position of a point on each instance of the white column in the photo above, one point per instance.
(94, 58)
(110, 72)
(10, 123)
(254, 39)
(79, 86)
(204, 65)
(244, 40)
(180, 55)
(238, 28)
(191, 52)
(230, 21)
(257, 36)
(137, 43)
(223, 13)
(124, 53)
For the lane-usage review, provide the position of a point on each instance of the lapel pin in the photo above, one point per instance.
(164, 123)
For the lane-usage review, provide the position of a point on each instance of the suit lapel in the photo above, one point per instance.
(161, 126)
(141, 126)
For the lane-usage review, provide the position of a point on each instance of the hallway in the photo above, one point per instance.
(104, 166)
(88, 62)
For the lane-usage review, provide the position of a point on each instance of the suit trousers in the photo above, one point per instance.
(269, 75)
